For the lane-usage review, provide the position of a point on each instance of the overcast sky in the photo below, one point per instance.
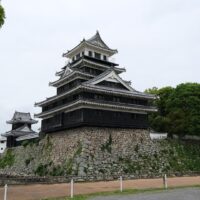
(158, 44)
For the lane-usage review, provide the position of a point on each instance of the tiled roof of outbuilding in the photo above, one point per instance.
(21, 131)
(21, 117)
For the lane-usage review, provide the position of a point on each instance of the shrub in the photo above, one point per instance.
(8, 159)
(27, 161)
(42, 169)
(107, 146)
(69, 165)
(79, 149)
(57, 171)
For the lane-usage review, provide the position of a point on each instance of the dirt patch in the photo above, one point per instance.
(39, 191)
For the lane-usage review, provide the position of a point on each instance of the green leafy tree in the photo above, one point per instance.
(184, 109)
(178, 109)
(2, 16)
(153, 90)
(159, 120)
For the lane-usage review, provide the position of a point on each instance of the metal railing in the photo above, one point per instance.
(7, 179)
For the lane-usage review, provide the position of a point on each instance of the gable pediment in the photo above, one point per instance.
(68, 70)
(110, 76)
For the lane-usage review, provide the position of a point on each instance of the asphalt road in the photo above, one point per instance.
(178, 194)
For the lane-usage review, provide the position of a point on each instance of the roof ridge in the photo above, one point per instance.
(95, 41)
(21, 117)
(97, 38)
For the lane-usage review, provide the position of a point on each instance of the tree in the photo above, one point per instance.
(184, 109)
(159, 120)
(178, 109)
(2, 16)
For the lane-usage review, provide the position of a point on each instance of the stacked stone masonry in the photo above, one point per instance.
(92, 153)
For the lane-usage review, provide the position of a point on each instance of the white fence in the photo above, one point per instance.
(72, 183)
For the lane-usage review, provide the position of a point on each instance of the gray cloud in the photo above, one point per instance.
(158, 43)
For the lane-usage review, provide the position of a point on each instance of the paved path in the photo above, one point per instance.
(38, 191)
(178, 194)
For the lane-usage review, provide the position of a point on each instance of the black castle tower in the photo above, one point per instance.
(90, 92)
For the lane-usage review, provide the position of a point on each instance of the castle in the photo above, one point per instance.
(90, 92)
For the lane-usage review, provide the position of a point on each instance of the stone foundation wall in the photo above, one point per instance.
(95, 154)
(99, 151)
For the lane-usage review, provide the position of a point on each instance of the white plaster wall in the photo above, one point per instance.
(158, 136)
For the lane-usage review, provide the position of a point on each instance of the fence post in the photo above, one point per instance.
(121, 184)
(72, 188)
(5, 192)
(165, 181)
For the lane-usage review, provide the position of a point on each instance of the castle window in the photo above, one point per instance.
(99, 97)
(78, 56)
(90, 53)
(116, 99)
(98, 112)
(97, 55)
(134, 116)
(71, 114)
(104, 57)
(117, 114)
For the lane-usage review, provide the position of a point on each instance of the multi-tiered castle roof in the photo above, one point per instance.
(21, 129)
(90, 92)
